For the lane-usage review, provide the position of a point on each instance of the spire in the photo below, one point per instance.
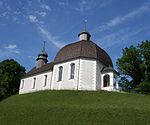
(43, 49)
(44, 45)
(85, 25)
(84, 35)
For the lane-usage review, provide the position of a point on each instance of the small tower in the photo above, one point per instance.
(42, 58)
(84, 35)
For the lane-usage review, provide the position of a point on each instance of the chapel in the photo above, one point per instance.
(81, 65)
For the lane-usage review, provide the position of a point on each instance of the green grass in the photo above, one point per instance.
(75, 108)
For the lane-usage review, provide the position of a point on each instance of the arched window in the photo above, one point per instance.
(22, 84)
(106, 81)
(60, 73)
(34, 81)
(45, 80)
(72, 70)
(114, 81)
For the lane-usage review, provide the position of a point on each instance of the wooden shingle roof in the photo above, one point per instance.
(83, 49)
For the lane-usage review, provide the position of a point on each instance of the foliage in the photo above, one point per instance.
(10, 73)
(144, 87)
(134, 67)
(75, 108)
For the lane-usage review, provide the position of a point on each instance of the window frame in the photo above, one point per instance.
(34, 81)
(22, 84)
(45, 80)
(72, 71)
(106, 78)
(60, 73)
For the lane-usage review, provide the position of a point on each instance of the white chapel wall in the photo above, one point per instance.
(66, 83)
(87, 79)
(99, 67)
(27, 86)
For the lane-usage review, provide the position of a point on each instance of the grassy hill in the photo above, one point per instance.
(75, 108)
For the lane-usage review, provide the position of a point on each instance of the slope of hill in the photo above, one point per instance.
(75, 108)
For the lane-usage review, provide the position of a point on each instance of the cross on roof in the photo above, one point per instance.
(85, 25)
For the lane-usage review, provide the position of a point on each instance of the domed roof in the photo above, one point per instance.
(83, 49)
(43, 53)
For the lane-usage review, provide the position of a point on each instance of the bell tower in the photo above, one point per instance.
(42, 57)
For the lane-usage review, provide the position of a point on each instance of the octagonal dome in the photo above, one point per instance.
(83, 49)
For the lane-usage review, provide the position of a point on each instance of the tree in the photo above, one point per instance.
(134, 67)
(10, 74)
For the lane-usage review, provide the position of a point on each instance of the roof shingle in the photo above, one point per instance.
(35, 71)
(83, 49)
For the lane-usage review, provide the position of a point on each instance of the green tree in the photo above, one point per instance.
(10, 74)
(134, 67)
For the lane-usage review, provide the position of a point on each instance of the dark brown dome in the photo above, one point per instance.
(83, 49)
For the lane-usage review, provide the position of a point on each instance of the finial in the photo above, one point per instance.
(85, 25)
(44, 45)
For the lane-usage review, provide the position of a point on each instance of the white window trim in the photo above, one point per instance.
(70, 66)
(103, 81)
(45, 80)
(59, 80)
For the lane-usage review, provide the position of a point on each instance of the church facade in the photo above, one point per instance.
(82, 65)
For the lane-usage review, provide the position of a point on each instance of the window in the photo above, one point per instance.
(34, 80)
(106, 81)
(72, 70)
(22, 84)
(45, 80)
(114, 81)
(60, 73)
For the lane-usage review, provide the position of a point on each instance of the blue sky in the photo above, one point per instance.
(113, 24)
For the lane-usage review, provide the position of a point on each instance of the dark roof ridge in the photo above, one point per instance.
(35, 71)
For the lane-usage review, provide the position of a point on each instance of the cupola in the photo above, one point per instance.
(42, 57)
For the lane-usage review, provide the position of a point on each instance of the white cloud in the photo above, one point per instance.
(17, 12)
(120, 19)
(84, 2)
(33, 18)
(120, 37)
(15, 18)
(46, 7)
(31, 57)
(11, 46)
(87, 5)
(105, 3)
(62, 3)
(16, 51)
(47, 35)
(9, 51)
(3, 14)
(43, 14)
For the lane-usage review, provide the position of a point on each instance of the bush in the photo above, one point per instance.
(144, 87)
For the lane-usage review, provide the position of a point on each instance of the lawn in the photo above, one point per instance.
(75, 108)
